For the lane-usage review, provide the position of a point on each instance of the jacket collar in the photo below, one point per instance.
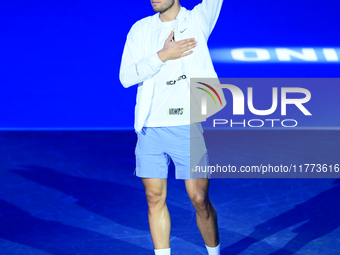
(179, 17)
(181, 13)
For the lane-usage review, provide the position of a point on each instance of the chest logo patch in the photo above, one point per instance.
(176, 111)
(173, 82)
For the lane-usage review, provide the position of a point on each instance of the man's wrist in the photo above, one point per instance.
(161, 55)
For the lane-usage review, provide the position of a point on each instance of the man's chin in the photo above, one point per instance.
(156, 9)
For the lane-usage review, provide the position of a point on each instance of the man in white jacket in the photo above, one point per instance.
(161, 54)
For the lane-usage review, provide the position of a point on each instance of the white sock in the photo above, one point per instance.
(162, 251)
(213, 250)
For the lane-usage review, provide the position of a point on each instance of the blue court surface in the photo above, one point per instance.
(74, 192)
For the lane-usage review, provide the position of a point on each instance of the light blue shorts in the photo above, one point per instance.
(183, 144)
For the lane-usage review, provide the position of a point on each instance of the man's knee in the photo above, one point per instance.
(155, 198)
(201, 203)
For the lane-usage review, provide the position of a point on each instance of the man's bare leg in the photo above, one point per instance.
(158, 213)
(206, 216)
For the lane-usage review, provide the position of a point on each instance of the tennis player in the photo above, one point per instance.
(161, 54)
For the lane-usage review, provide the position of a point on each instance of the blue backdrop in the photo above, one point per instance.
(60, 59)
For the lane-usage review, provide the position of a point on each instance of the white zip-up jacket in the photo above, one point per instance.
(140, 62)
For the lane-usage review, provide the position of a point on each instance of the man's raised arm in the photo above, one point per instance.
(209, 10)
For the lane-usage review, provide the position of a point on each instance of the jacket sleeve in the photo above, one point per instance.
(208, 12)
(134, 68)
